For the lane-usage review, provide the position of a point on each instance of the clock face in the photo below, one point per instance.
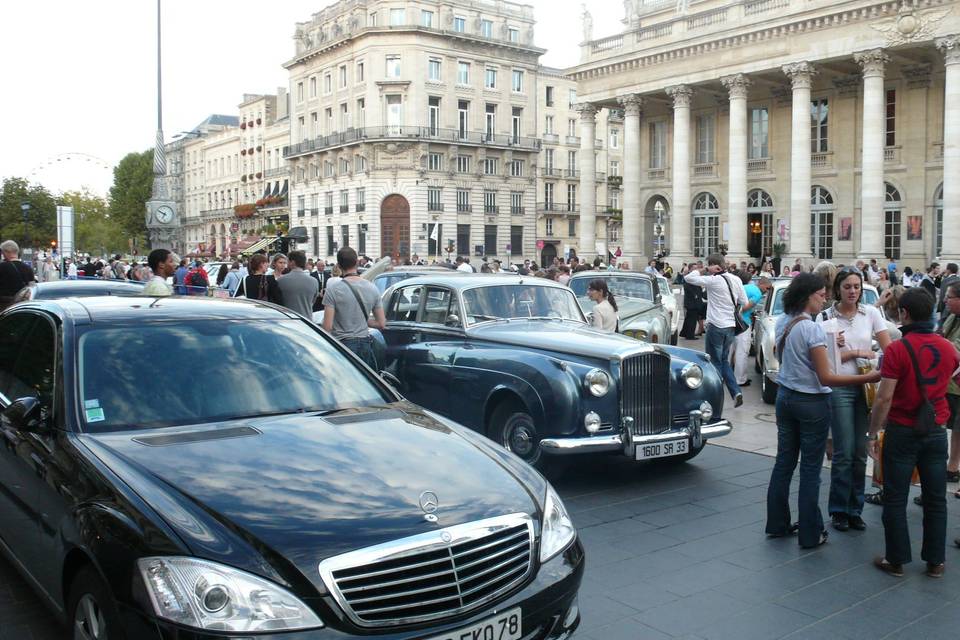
(164, 215)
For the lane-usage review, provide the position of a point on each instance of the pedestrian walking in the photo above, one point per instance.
(726, 294)
(162, 264)
(257, 286)
(851, 328)
(14, 273)
(911, 407)
(347, 307)
(692, 303)
(803, 411)
(298, 288)
(604, 315)
(740, 354)
(231, 281)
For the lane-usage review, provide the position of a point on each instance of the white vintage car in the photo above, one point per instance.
(764, 328)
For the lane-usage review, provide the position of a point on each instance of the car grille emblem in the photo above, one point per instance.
(429, 502)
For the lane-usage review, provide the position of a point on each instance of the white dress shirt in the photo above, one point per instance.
(719, 302)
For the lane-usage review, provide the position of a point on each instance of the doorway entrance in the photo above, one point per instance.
(395, 227)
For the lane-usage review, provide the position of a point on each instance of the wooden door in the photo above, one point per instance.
(395, 227)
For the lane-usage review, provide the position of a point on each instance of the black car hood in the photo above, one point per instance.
(560, 337)
(272, 494)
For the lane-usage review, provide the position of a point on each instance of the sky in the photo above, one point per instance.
(80, 75)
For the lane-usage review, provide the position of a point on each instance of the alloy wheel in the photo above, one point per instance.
(88, 622)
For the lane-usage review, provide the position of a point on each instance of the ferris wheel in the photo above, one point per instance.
(74, 171)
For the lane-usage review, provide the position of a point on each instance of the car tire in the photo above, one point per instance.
(92, 611)
(514, 429)
(768, 389)
(756, 364)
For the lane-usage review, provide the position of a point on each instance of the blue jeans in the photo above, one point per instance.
(903, 450)
(803, 422)
(363, 347)
(717, 346)
(848, 471)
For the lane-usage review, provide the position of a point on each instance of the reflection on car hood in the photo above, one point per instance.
(298, 489)
(561, 337)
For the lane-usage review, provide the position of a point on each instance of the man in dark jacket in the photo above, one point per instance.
(692, 303)
(949, 277)
(14, 274)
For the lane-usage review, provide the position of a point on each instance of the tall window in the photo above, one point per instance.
(490, 239)
(548, 227)
(490, 79)
(490, 202)
(818, 126)
(433, 69)
(571, 197)
(434, 161)
(821, 223)
(433, 114)
(759, 133)
(548, 188)
(327, 83)
(463, 239)
(516, 202)
(548, 125)
(361, 239)
(393, 66)
(313, 87)
(345, 235)
(614, 138)
(331, 244)
(463, 164)
(614, 168)
(490, 120)
(516, 240)
(359, 75)
(463, 73)
(486, 28)
(433, 199)
(463, 201)
(658, 145)
(706, 225)
(571, 164)
(706, 139)
(516, 117)
(548, 160)
(491, 166)
(398, 17)
(516, 168)
(343, 76)
(394, 113)
(759, 202)
(572, 227)
(344, 117)
(572, 127)
(513, 34)
(549, 96)
(344, 200)
(891, 230)
(891, 117)
(463, 118)
(459, 24)
(426, 18)
(517, 81)
(361, 199)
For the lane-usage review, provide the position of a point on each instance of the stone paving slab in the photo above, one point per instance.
(678, 551)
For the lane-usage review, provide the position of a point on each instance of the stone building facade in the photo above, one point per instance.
(824, 126)
(413, 128)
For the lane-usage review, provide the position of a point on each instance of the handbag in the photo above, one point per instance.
(878, 466)
(740, 325)
(926, 421)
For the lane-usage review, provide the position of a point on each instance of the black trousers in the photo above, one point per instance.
(690, 321)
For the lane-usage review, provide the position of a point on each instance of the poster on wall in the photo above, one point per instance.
(783, 230)
(914, 227)
(846, 229)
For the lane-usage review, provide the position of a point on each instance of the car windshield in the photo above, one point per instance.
(520, 301)
(869, 298)
(148, 376)
(620, 287)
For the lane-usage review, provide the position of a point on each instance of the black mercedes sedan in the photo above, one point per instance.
(78, 289)
(299, 498)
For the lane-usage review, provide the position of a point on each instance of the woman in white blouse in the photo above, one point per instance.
(605, 313)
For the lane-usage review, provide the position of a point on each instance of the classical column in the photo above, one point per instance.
(950, 47)
(801, 76)
(633, 249)
(871, 167)
(737, 86)
(588, 180)
(680, 246)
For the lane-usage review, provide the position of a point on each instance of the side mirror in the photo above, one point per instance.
(24, 413)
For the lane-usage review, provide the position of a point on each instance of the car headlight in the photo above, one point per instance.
(206, 595)
(557, 532)
(692, 375)
(636, 334)
(597, 382)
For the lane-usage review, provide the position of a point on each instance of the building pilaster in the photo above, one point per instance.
(737, 86)
(588, 180)
(801, 77)
(871, 175)
(633, 249)
(679, 227)
(949, 46)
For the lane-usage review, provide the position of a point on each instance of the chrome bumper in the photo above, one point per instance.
(626, 442)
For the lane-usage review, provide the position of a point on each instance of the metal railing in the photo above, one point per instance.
(434, 206)
(550, 172)
(759, 165)
(557, 207)
(362, 134)
(464, 208)
(361, 208)
(276, 171)
(517, 211)
(487, 208)
(328, 211)
(314, 211)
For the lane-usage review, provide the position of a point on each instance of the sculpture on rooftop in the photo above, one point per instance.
(587, 24)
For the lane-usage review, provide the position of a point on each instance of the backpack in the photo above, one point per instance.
(196, 278)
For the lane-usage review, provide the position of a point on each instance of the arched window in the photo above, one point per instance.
(706, 224)
(821, 223)
(892, 218)
(760, 209)
(938, 215)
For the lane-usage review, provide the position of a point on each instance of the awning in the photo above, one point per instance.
(283, 191)
(266, 191)
(242, 245)
(276, 188)
(259, 245)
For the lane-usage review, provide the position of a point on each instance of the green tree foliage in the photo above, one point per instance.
(41, 219)
(132, 185)
(95, 232)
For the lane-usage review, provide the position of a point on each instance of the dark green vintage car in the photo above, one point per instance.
(642, 313)
(514, 358)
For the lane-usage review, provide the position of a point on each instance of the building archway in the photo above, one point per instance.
(656, 214)
(395, 227)
(892, 222)
(821, 222)
(547, 254)
(706, 224)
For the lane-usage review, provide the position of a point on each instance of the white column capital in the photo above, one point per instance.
(949, 46)
(587, 111)
(872, 62)
(632, 104)
(681, 94)
(800, 74)
(737, 85)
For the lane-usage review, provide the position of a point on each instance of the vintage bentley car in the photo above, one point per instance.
(514, 358)
(767, 362)
(303, 501)
(640, 305)
(671, 302)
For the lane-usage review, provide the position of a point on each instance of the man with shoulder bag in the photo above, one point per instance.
(912, 408)
(347, 305)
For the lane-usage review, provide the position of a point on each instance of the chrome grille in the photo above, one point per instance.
(427, 578)
(645, 392)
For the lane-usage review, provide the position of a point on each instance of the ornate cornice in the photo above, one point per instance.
(737, 85)
(681, 94)
(632, 105)
(910, 25)
(872, 62)
(800, 74)
(587, 111)
(949, 46)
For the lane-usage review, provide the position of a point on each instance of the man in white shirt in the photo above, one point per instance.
(463, 264)
(723, 290)
(162, 263)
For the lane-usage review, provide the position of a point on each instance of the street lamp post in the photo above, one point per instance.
(25, 207)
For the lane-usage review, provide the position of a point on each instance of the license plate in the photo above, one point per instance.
(662, 449)
(505, 626)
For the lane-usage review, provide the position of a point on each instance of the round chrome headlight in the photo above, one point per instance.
(692, 375)
(706, 410)
(597, 382)
(592, 422)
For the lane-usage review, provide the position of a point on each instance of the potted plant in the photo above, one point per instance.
(259, 175)
(250, 124)
(243, 125)
(243, 152)
(779, 249)
(250, 150)
(259, 121)
(259, 148)
(243, 178)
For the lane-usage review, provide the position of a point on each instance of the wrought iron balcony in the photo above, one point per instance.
(328, 211)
